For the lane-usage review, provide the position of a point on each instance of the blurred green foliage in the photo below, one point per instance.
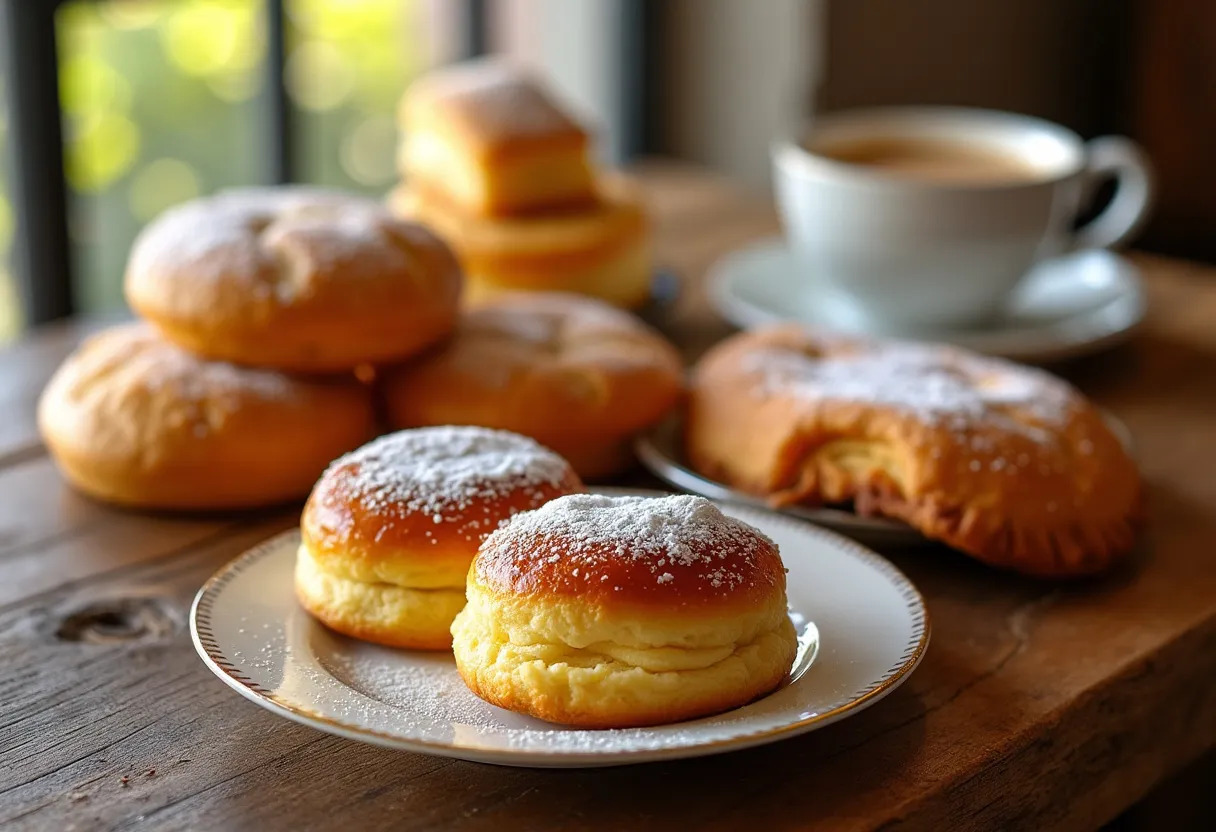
(163, 101)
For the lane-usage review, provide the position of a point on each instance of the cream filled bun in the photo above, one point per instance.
(606, 612)
(390, 529)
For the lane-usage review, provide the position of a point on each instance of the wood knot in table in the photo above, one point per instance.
(117, 620)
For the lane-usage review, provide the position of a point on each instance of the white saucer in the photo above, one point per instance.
(862, 628)
(1070, 306)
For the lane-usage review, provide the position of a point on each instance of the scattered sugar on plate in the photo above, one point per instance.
(427, 686)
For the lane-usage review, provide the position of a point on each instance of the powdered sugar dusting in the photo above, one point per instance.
(233, 233)
(679, 539)
(442, 472)
(142, 360)
(195, 379)
(938, 385)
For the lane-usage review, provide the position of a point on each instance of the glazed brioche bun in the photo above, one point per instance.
(133, 419)
(293, 278)
(390, 529)
(489, 138)
(576, 374)
(609, 612)
(601, 250)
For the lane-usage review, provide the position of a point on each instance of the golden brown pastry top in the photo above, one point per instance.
(136, 420)
(492, 106)
(288, 275)
(1006, 462)
(670, 555)
(250, 248)
(431, 494)
(128, 388)
(542, 363)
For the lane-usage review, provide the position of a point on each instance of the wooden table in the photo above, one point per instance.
(1038, 706)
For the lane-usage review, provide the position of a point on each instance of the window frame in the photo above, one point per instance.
(41, 253)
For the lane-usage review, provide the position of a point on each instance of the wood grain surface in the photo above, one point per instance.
(1037, 707)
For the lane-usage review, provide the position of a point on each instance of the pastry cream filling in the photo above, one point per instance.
(482, 625)
(309, 564)
(652, 660)
(422, 573)
(861, 457)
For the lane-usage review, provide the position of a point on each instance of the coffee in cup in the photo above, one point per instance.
(932, 161)
(922, 218)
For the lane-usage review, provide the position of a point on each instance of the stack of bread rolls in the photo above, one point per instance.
(494, 164)
(240, 386)
(275, 317)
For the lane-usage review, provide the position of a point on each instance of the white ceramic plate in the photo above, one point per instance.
(659, 450)
(862, 625)
(1066, 307)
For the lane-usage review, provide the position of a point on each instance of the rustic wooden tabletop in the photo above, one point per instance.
(1038, 706)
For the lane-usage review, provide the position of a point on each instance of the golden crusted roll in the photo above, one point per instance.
(488, 137)
(601, 250)
(133, 419)
(294, 278)
(1006, 463)
(575, 374)
(390, 529)
(609, 612)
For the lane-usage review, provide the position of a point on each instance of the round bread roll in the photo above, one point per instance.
(1006, 463)
(390, 529)
(602, 250)
(574, 373)
(610, 612)
(293, 278)
(133, 419)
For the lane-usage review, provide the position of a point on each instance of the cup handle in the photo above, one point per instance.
(1114, 157)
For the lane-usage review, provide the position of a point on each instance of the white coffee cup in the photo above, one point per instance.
(908, 253)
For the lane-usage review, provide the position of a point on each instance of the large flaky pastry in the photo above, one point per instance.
(390, 529)
(1004, 462)
(574, 373)
(133, 419)
(607, 612)
(294, 278)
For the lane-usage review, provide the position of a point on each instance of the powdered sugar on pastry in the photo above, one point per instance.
(1003, 461)
(937, 385)
(442, 470)
(680, 538)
